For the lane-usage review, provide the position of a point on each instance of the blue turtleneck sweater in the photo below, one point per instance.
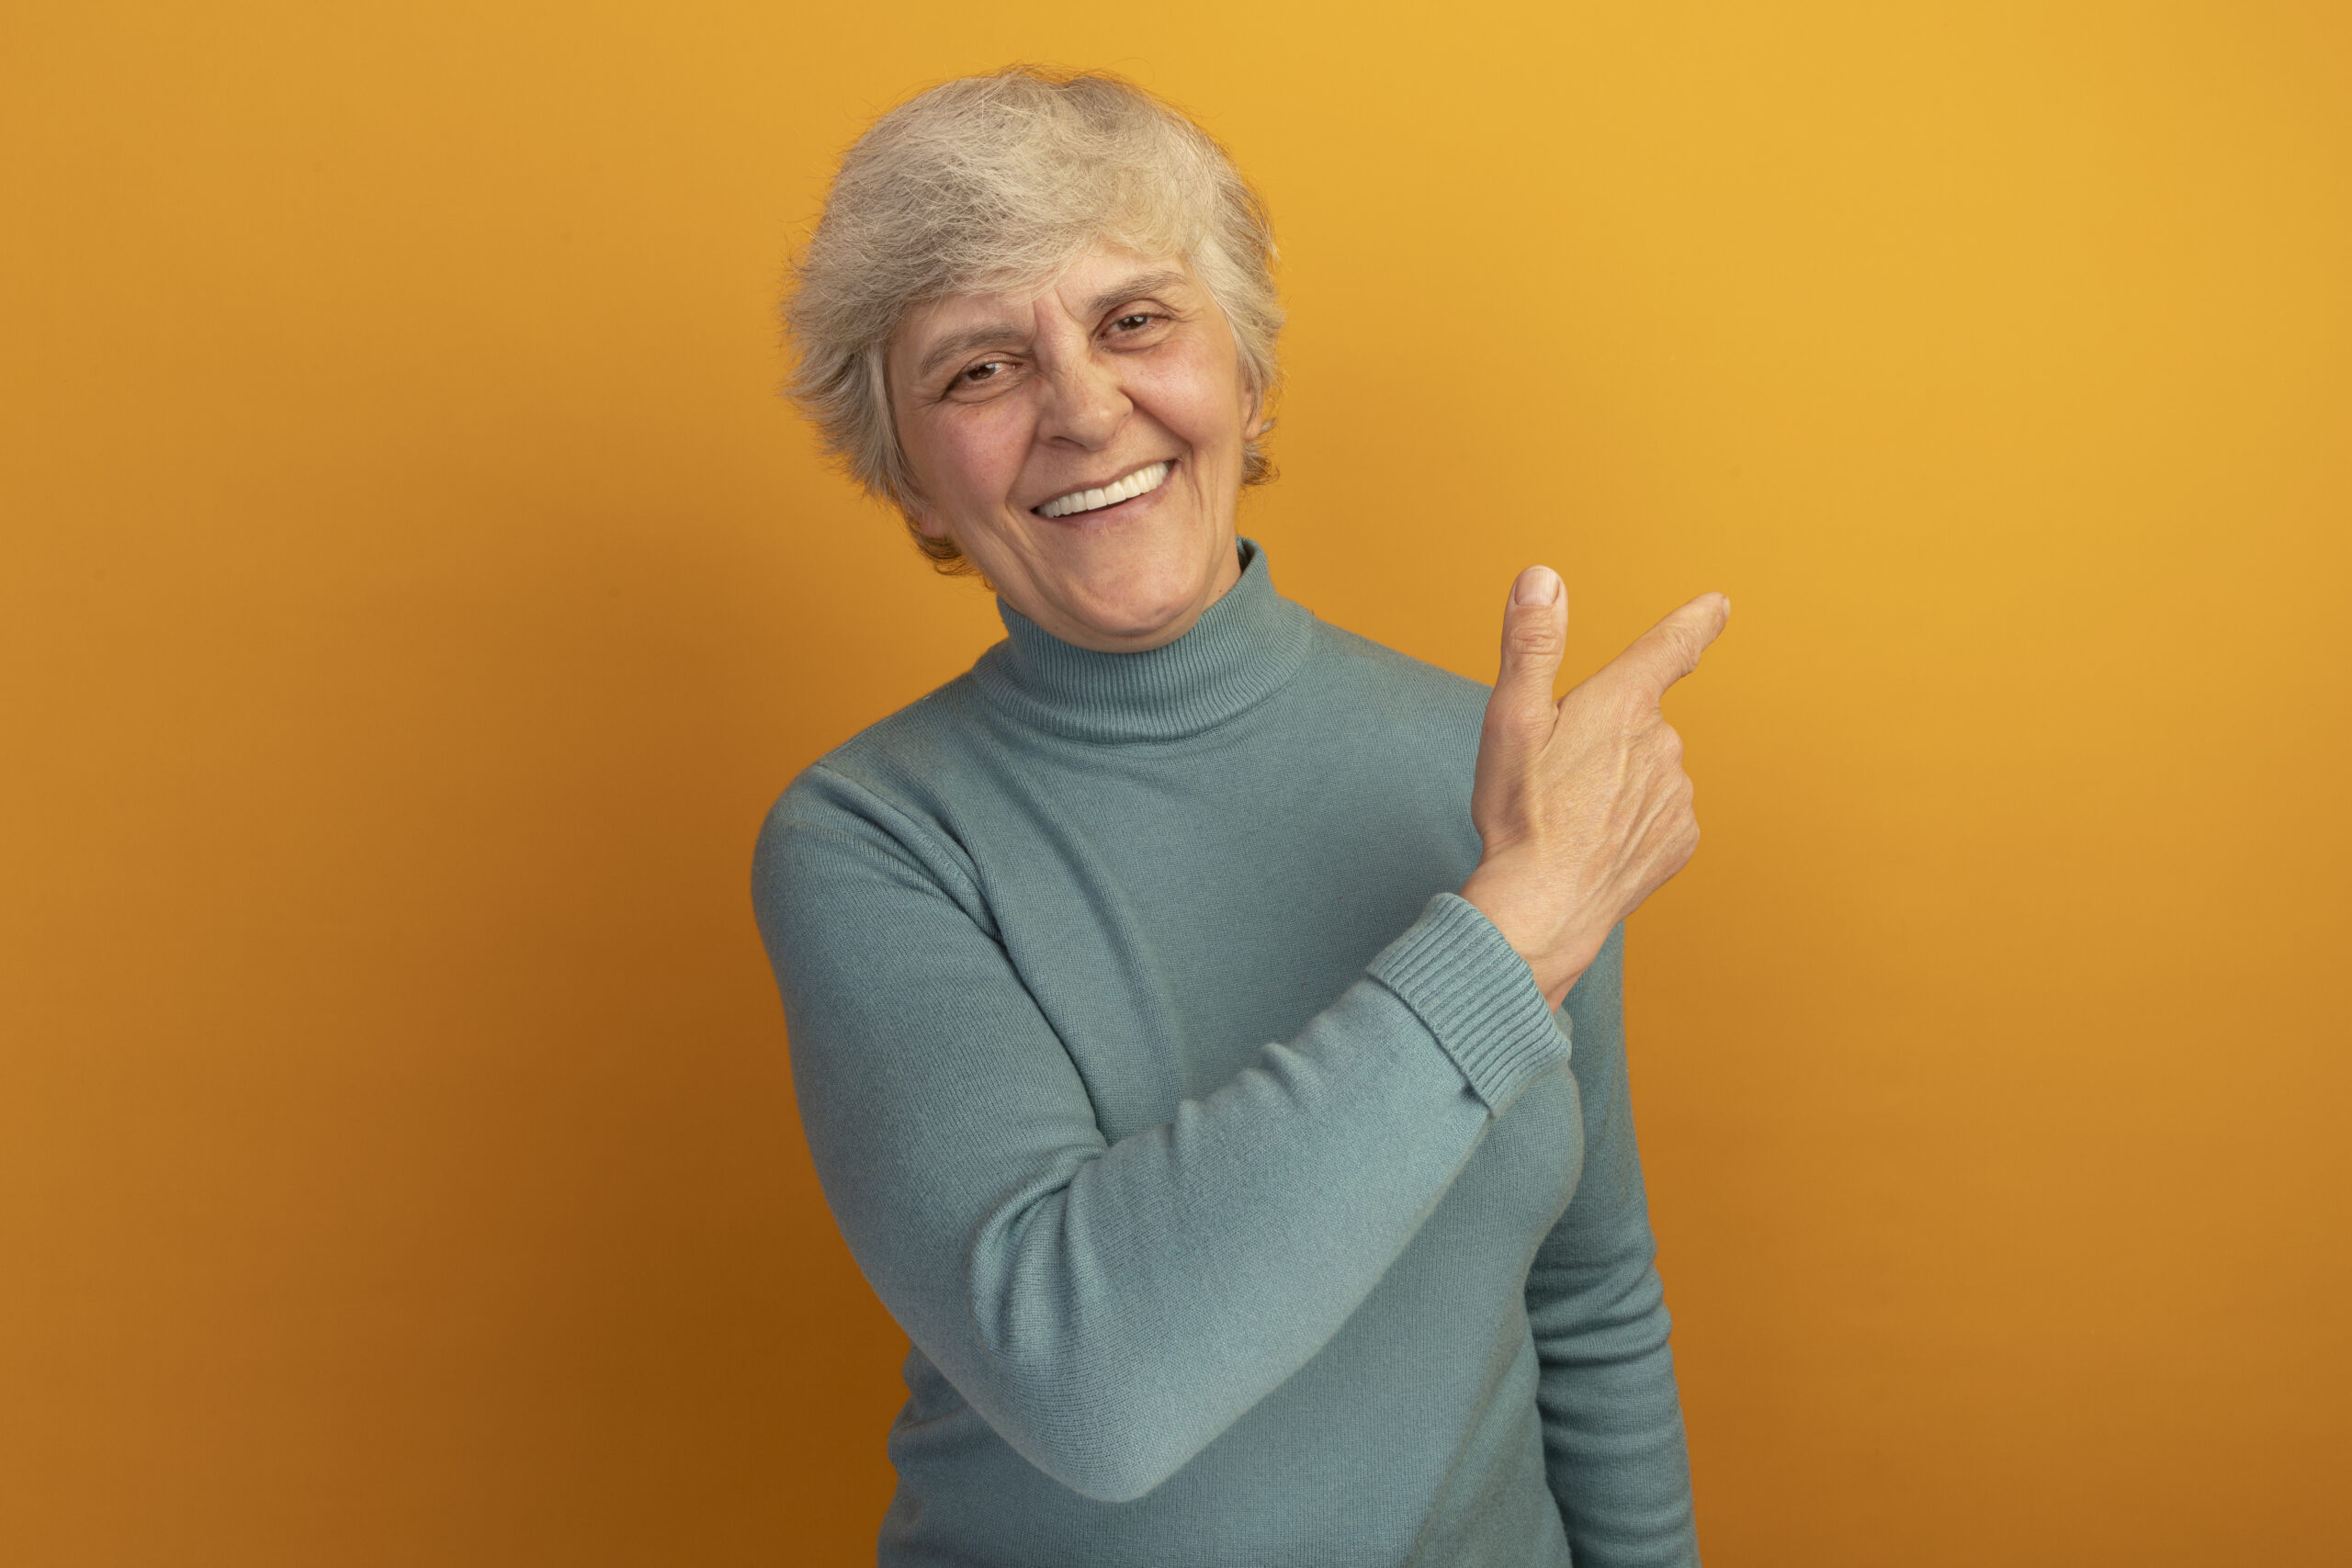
(1241, 1198)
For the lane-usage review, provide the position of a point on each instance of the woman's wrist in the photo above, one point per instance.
(1556, 953)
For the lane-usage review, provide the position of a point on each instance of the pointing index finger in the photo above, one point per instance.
(1671, 649)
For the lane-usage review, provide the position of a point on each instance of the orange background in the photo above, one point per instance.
(414, 593)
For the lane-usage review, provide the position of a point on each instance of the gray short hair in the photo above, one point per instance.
(997, 182)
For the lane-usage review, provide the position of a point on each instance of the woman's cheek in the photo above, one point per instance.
(1190, 407)
(997, 447)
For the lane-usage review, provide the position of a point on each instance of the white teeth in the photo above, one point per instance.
(1145, 479)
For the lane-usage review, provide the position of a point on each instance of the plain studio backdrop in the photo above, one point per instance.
(414, 592)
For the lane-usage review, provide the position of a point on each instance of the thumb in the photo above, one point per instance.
(1535, 634)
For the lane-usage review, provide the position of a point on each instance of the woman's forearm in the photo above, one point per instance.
(1112, 1307)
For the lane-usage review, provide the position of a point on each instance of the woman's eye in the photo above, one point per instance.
(985, 370)
(1136, 323)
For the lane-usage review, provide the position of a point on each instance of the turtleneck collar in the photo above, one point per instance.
(1239, 653)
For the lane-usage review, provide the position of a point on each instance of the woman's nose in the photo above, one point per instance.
(1084, 403)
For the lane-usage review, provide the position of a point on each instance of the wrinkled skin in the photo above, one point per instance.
(1005, 402)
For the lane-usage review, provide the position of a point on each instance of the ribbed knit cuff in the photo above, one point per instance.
(1475, 993)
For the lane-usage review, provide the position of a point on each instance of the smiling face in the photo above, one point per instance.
(1082, 444)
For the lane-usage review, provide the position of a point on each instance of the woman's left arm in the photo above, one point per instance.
(1613, 1420)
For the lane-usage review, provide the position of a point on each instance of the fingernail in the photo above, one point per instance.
(1536, 585)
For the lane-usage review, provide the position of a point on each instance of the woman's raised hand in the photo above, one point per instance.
(1582, 804)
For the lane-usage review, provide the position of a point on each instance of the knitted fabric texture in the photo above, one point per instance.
(1241, 1197)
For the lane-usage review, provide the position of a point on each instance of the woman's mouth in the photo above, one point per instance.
(1149, 478)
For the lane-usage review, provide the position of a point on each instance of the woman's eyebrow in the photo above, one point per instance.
(997, 333)
(963, 342)
(1142, 283)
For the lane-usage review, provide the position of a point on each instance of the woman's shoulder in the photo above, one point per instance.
(891, 768)
(1395, 684)
(875, 798)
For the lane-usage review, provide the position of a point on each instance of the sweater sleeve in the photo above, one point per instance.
(1613, 1420)
(1110, 1308)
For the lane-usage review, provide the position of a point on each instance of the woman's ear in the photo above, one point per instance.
(1254, 422)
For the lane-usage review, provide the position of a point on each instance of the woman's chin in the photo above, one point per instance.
(1142, 624)
(1133, 616)
(1131, 591)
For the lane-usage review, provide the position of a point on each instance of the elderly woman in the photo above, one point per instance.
(1207, 1021)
